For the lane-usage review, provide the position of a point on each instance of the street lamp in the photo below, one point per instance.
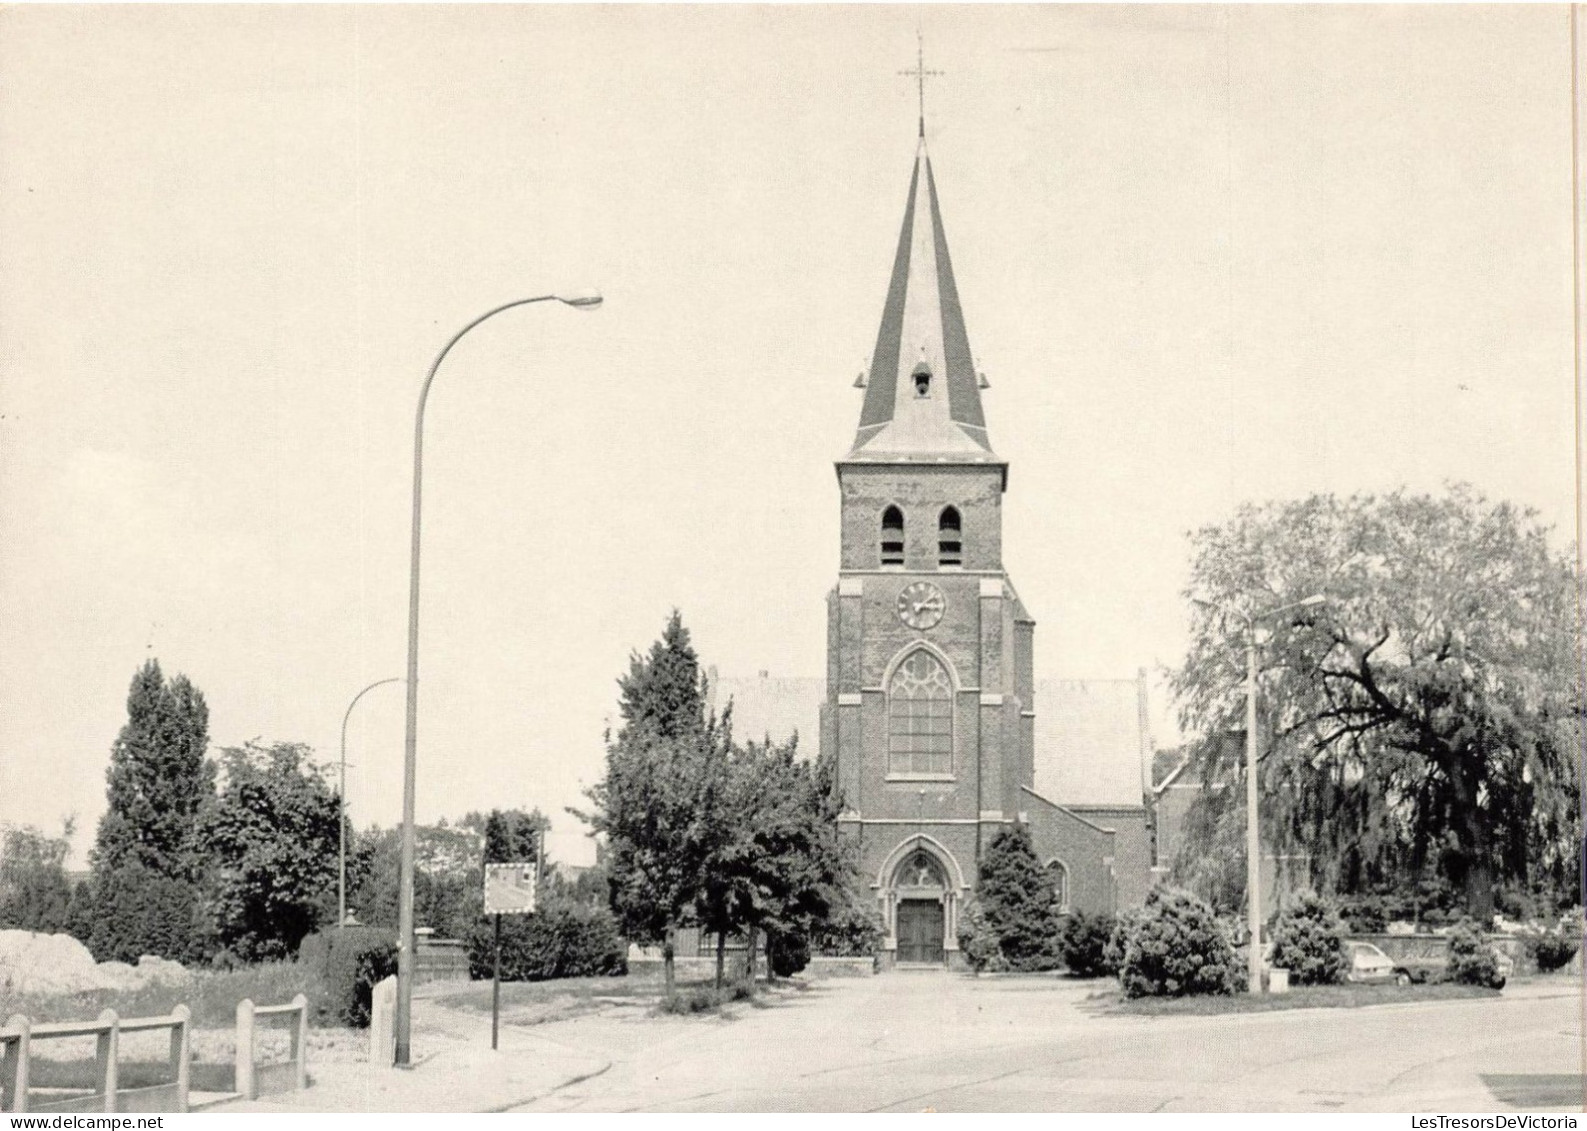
(581, 300)
(1253, 840)
(341, 807)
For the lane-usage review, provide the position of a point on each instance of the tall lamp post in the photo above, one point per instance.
(341, 807)
(405, 956)
(1253, 838)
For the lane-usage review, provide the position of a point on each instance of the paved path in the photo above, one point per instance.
(912, 1042)
(919, 1041)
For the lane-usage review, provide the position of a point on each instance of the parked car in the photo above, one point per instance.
(1368, 964)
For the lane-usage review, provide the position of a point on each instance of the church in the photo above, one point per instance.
(931, 709)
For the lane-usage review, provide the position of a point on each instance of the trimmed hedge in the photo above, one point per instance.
(344, 966)
(1309, 942)
(564, 939)
(787, 954)
(1083, 945)
(1175, 947)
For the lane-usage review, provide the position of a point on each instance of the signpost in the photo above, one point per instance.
(509, 890)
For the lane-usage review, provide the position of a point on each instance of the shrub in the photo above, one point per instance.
(1018, 901)
(1119, 938)
(1472, 960)
(851, 931)
(564, 939)
(978, 942)
(786, 953)
(344, 966)
(1084, 944)
(702, 999)
(1309, 942)
(1553, 950)
(1175, 948)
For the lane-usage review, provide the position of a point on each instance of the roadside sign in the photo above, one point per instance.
(509, 889)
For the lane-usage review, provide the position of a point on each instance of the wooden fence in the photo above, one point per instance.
(255, 1079)
(17, 1041)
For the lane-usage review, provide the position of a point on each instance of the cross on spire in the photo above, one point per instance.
(921, 75)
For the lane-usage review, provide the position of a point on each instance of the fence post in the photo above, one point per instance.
(106, 1055)
(181, 1052)
(300, 1040)
(14, 1069)
(245, 1053)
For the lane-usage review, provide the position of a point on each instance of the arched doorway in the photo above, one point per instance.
(919, 902)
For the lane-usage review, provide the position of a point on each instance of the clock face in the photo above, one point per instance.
(921, 605)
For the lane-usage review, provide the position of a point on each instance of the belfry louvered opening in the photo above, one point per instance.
(892, 537)
(950, 542)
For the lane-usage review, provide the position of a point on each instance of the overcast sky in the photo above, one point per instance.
(1206, 255)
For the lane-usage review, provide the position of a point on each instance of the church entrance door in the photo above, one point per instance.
(920, 930)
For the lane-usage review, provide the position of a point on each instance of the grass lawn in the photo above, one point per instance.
(533, 1003)
(1347, 996)
(211, 996)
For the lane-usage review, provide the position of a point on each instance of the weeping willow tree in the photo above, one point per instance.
(1425, 718)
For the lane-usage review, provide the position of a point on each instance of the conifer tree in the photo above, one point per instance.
(660, 805)
(147, 858)
(158, 780)
(1018, 902)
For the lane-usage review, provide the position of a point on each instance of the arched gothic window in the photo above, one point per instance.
(892, 537)
(950, 547)
(920, 717)
(1058, 876)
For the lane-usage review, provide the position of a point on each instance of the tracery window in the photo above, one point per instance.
(920, 717)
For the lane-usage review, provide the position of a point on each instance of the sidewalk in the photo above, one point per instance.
(454, 1069)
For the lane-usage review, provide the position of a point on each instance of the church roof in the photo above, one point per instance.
(1090, 741)
(922, 397)
(765, 706)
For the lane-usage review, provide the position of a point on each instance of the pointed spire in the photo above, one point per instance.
(922, 397)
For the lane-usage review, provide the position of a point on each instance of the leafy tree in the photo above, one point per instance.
(1210, 860)
(159, 782)
(273, 836)
(34, 892)
(1018, 903)
(447, 878)
(781, 866)
(512, 836)
(1429, 714)
(660, 804)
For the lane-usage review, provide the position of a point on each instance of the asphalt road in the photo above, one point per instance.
(931, 1041)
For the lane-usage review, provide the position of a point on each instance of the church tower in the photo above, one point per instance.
(928, 714)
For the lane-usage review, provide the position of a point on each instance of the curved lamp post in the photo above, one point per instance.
(1253, 839)
(341, 808)
(584, 300)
